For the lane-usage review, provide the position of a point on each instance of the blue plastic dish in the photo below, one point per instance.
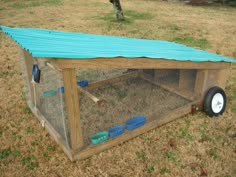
(116, 131)
(83, 83)
(135, 122)
(61, 90)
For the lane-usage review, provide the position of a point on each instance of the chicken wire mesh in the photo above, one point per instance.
(150, 93)
(52, 101)
(47, 96)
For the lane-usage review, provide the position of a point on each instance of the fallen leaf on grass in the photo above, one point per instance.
(172, 143)
(203, 172)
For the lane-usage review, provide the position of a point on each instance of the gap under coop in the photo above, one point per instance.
(91, 103)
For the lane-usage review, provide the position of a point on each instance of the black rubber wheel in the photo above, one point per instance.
(215, 102)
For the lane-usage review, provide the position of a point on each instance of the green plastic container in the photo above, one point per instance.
(99, 137)
(49, 93)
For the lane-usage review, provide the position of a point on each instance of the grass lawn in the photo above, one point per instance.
(194, 145)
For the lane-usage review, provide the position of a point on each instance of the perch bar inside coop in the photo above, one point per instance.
(92, 97)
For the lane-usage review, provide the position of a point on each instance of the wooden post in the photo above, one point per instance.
(73, 109)
(200, 82)
(222, 77)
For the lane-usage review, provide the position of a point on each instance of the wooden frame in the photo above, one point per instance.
(203, 74)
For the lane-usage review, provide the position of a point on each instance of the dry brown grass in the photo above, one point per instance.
(190, 146)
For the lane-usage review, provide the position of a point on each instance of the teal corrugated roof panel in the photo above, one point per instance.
(44, 43)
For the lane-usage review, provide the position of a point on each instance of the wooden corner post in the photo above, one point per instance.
(73, 109)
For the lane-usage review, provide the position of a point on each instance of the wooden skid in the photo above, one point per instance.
(158, 121)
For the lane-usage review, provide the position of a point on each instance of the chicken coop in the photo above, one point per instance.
(92, 92)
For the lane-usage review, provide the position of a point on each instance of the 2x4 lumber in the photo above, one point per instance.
(72, 107)
(92, 97)
(157, 121)
(139, 63)
(201, 82)
(222, 77)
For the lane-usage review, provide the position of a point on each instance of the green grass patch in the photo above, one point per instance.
(170, 155)
(51, 148)
(148, 140)
(46, 155)
(27, 110)
(15, 136)
(3, 8)
(7, 152)
(212, 153)
(29, 130)
(150, 169)
(164, 171)
(35, 3)
(30, 162)
(203, 128)
(183, 132)
(130, 16)
(6, 74)
(193, 42)
(141, 155)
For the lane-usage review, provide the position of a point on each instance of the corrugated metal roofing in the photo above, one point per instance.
(57, 44)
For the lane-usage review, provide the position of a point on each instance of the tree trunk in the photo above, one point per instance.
(118, 10)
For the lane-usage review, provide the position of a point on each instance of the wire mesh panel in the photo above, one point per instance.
(135, 93)
(47, 96)
(51, 96)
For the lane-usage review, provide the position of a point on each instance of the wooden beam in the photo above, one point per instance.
(157, 121)
(200, 83)
(96, 100)
(139, 63)
(72, 107)
(222, 77)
